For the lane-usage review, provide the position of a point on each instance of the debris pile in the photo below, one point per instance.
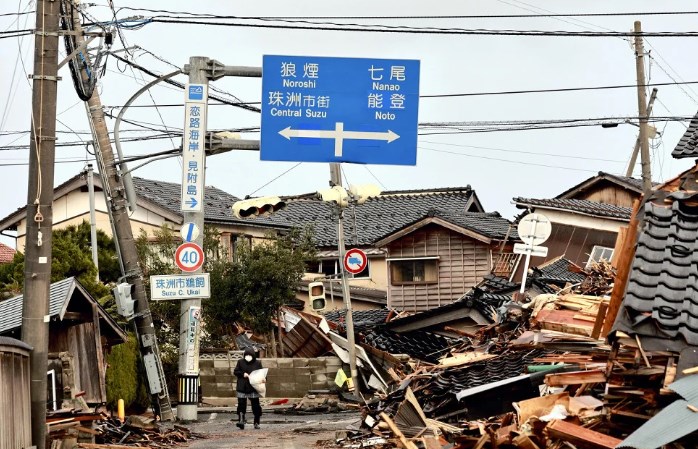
(98, 431)
(538, 376)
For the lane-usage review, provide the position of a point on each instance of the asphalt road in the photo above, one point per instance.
(277, 431)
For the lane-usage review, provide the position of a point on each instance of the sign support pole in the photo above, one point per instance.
(188, 379)
(336, 180)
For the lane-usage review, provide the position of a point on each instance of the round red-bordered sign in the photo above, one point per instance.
(189, 257)
(355, 261)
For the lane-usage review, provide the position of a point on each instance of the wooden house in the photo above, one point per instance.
(586, 218)
(80, 335)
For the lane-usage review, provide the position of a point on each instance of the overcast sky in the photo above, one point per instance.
(498, 165)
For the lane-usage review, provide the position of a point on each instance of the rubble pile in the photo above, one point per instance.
(540, 376)
(98, 431)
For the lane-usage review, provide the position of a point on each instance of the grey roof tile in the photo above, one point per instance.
(217, 202)
(11, 309)
(559, 271)
(582, 206)
(382, 216)
(362, 318)
(688, 144)
(664, 272)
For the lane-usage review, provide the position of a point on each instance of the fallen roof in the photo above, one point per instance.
(417, 344)
(662, 293)
(361, 318)
(559, 271)
(688, 144)
(584, 207)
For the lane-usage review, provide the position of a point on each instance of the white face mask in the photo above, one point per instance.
(248, 358)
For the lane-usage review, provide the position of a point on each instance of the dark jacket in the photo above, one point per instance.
(242, 367)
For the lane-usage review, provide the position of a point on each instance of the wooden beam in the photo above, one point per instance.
(407, 444)
(580, 436)
(623, 271)
(575, 378)
(598, 324)
(618, 249)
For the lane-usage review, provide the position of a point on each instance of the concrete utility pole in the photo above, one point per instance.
(201, 70)
(642, 109)
(37, 269)
(636, 150)
(113, 186)
(336, 180)
(187, 408)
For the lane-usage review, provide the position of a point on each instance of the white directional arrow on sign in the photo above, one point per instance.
(339, 135)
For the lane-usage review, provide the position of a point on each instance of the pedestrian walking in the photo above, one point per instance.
(245, 390)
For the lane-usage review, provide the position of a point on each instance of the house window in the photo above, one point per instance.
(599, 253)
(414, 271)
(330, 267)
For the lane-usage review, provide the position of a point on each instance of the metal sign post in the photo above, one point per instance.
(533, 229)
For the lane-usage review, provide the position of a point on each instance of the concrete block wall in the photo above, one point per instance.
(287, 377)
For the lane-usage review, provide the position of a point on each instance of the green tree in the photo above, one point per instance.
(71, 256)
(251, 289)
(123, 374)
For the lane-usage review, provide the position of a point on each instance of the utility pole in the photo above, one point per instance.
(93, 217)
(642, 109)
(112, 183)
(336, 180)
(636, 150)
(37, 269)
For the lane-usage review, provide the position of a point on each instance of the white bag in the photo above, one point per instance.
(257, 379)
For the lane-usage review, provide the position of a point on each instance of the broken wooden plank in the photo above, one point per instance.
(575, 378)
(524, 442)
(580, 436)
(407, 444)
(598, 324)
(688, 371)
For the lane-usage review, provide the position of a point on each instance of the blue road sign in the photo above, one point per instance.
(319, 109)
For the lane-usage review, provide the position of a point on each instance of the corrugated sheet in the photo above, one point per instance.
(673, 422)
(11, 309)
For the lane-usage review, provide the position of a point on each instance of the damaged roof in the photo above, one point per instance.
(662, 293)
(585, 207)
(559, 271)
(417, 344)
(362, 318)
(688, 144)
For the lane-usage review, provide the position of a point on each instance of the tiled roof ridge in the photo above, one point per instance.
(436, 190)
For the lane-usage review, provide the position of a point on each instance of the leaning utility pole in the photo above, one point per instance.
(636, 150)
(37, 268)
(115, 192)
(336, 180)
(642, 109)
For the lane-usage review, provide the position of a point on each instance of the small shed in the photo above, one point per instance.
(15, 402)
(80, 331)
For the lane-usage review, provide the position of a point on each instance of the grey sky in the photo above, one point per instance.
(449, 64)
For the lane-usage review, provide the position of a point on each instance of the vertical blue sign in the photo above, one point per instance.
(319, 109)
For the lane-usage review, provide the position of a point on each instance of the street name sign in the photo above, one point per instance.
(189, 257)
(355, 261)
(180, 286)
(534, 251)
(320, 109)
(193, 147)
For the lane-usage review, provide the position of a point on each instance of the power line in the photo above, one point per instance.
(497, 16)
(523, 152)
(377, 28)
(507, 160)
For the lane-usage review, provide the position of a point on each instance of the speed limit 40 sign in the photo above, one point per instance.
(189, 257)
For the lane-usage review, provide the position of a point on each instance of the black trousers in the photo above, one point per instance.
(256, 408)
